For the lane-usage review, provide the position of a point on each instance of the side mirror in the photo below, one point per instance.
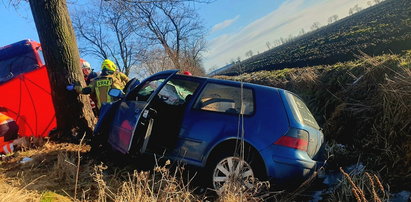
(117, 93)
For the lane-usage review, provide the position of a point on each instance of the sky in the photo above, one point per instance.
(233, 26)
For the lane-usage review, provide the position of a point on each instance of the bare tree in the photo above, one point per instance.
(249, 53)
(268, 44)
(277, 42)
(290, 38)
(357, 8)
(191, 56)
(302, 32)
(282, 40)
(109, 35)
(315, 26)
(154, 61)
(174, 26)
(332, 19)
(335, 18)
(354, 9)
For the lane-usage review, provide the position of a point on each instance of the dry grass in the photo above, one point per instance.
(363, 105)
(160, 185)
(11, 190)
(52, 169)
(361, 187)
(53, 174)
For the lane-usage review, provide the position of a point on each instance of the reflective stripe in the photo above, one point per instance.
(5, 149)
(8, 148)
(6, 121)
(11, 147)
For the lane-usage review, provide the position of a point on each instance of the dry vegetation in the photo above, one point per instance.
(363, 105)
(52, 174)
(362, 187)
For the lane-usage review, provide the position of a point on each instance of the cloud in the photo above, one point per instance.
(224, 24)
(287, 20)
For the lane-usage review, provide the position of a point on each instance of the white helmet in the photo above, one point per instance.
(86, 65)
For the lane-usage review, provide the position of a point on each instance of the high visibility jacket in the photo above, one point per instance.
(8, 128)
(100, 87)
(122, 77)
(6, 147)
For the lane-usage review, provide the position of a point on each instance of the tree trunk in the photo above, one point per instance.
(54, 27)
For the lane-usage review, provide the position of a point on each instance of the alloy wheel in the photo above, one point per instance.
(233, 170)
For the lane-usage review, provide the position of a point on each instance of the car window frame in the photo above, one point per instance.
(254, 99)
(140, 86)
(200, 83)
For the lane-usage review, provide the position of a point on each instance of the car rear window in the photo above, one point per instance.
(226, 99)
(302, 112)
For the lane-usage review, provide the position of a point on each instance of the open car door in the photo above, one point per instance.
(133, 117)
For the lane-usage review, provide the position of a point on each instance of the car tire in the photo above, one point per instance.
(226, 167)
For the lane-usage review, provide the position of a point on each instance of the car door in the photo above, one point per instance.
(213, 117)
(132, 112)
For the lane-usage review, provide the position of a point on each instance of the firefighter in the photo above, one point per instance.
(89, 75)
(108, 79)
(9, 138)
(119, 75)
(88, 72)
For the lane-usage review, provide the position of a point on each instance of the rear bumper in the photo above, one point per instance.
(288, 166)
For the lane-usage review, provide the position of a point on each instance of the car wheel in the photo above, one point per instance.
(237, 171)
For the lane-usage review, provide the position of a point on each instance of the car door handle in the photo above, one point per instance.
(145, 113)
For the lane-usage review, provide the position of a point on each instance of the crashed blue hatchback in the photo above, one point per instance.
(228, 129)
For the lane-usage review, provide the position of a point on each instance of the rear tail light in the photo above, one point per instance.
(295, 138)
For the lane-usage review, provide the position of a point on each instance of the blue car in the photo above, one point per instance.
(230, 129)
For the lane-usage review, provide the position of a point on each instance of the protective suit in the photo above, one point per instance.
(8, 133)
(101, 85)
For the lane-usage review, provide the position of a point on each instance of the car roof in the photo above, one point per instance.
(214, 80)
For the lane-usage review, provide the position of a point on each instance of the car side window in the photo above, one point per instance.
(226, 99)
(178, 91)
(144, 92)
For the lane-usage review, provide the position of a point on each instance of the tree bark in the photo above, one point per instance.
(54, 27)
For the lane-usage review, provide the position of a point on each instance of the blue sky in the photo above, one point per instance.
(234, 26)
